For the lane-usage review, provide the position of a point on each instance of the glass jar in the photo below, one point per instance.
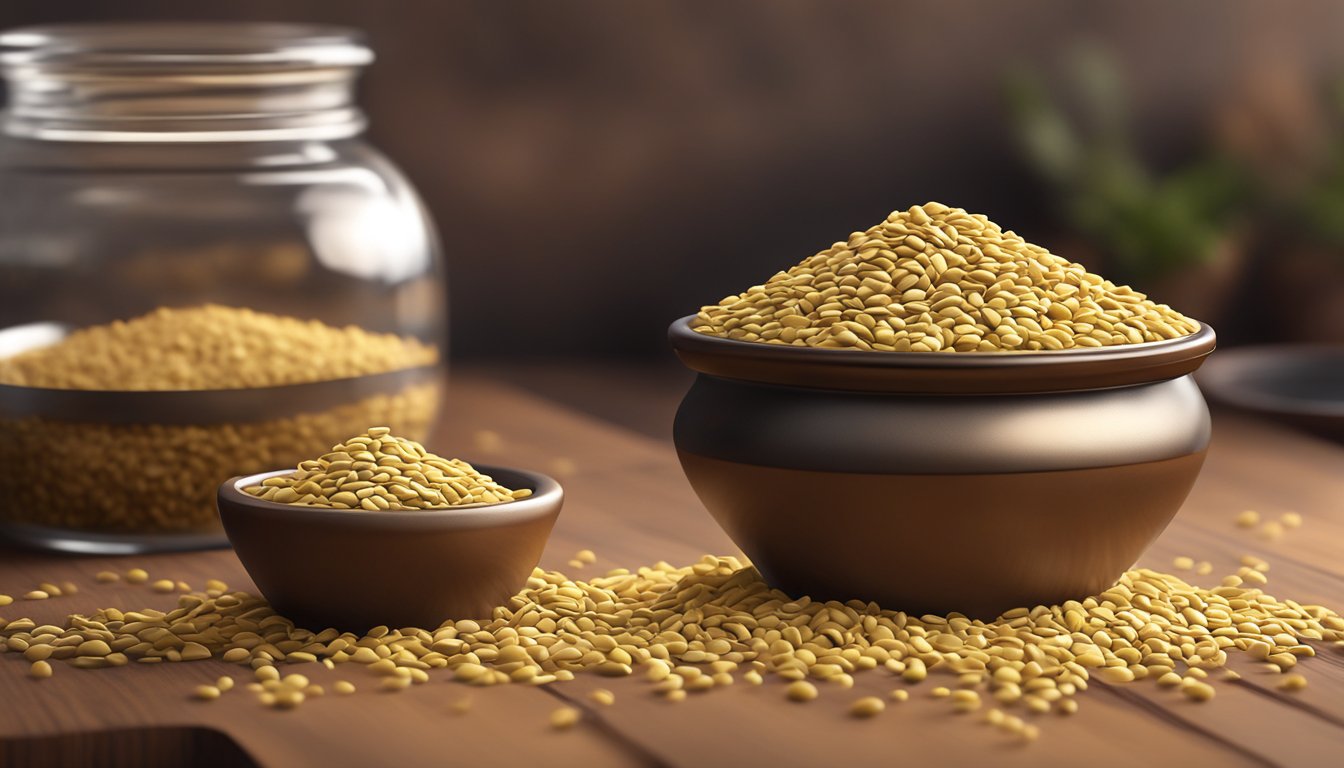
(205, 168)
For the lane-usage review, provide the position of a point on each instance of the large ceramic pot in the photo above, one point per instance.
(940, 482)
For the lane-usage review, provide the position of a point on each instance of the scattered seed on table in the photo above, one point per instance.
(1294, 682)
(1291, 520)
(564, 718)
(182, 586)
(940, 692)
(801, 690)
(585, 556)
(1067, 706)
(40, 669)
(137, 576)
(162, 585)
(899, 694)
(69, 588)
(224, 683)
(51, 589)
(1271, 531)
(1248, 519)
(206, 692)
(603, 696)
(575, 564)
(1197, 690)
(36, 594)
(395, 683)
(6, 600)
(868, 706)
(106, 577)
(1182, 563)
(343, 687)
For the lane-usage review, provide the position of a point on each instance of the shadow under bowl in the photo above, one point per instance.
(356, 569)
(942, 482)
(1301, 385)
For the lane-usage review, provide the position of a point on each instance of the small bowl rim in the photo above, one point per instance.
(1004, 372)
(547, 493)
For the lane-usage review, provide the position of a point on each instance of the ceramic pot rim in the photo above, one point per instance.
(933, 373)
(545, 499)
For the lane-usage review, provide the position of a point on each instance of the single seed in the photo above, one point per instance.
(137, 576)
(107, 577)
(1183, 563)
(1271, 531)
(801, 690)
(1293, 682)
(1291, 520)
(564, 718)
(206, 692)
(603, 696)
(40, 669)
(1197, 689)
(6, 600)
(1248, 519)
(868, 706)
(344, 687)
(899, 694)
(162, 585)
(36, 594)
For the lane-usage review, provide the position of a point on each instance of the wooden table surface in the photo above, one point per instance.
(627, 500)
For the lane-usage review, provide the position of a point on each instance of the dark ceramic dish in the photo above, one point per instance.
(354, 569)
(970, 482)
(1301, 385)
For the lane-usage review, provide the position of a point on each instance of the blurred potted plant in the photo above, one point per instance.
(1294, 140)
(1173, 235)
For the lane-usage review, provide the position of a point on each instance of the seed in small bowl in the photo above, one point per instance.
(376, 472)
(427, 537)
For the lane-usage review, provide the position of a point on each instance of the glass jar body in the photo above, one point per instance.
(92, 233)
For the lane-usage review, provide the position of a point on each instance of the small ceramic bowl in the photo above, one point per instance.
(938, 482)
(354, 569)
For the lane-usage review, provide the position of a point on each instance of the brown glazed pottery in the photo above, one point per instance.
(354, 569)
(941, 482)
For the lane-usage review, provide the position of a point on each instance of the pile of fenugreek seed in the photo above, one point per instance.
(940, 279)
(211, 347)
(377, 471)
(111, 477)
(716, 623)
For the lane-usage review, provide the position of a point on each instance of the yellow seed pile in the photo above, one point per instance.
(211, 347)
(377, 471)
(940, 279)
(112, 477)
(704, 626)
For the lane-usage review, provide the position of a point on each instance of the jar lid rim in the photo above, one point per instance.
(185, 43)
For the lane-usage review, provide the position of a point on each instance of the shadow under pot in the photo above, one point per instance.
(941, 482)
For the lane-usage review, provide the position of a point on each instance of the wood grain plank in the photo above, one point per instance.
(627, 499)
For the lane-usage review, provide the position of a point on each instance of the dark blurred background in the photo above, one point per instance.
(598, 169)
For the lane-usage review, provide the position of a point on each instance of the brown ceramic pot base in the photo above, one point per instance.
(975, 544)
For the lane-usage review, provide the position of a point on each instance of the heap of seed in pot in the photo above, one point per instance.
(377, 471)
(118, 486)
(711, 624)
(940, 279)
(211, 347)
